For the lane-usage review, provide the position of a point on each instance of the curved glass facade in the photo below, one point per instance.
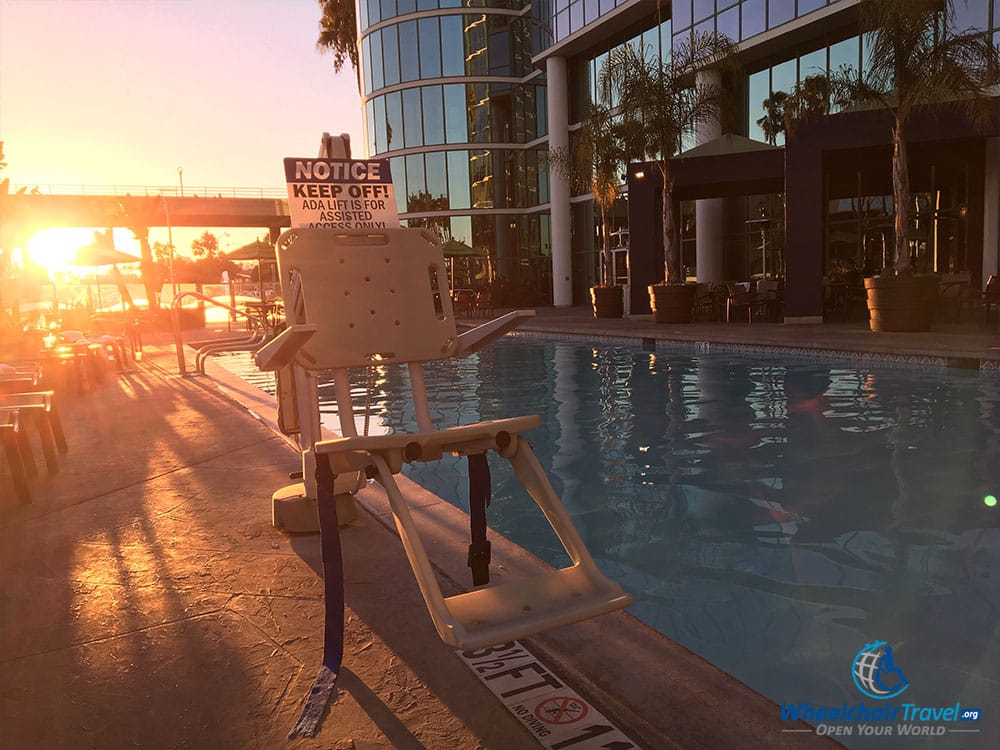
(452, 99)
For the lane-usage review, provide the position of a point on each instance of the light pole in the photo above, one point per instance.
(170, 243)
(180, 176)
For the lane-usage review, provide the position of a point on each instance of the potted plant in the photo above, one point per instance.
(914, 61)
(595, 162)
(660, 103)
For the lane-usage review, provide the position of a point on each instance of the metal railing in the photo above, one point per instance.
(153, 191)
(254, 339)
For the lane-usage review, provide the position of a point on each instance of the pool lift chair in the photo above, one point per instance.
(363, 298)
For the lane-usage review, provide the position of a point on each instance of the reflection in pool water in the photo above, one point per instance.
(773, 518)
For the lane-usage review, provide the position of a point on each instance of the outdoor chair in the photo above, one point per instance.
(955, 297)
(835, 300)
(705, 302)
(358, 299)
(739, 298)
(483, 304)
(991, 299)
(767, 299)
(464, 302)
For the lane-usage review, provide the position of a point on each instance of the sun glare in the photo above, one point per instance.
(54, 249)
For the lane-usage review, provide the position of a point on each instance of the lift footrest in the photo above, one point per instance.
(525, 606)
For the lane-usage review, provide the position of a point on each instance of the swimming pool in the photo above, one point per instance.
(773, 517)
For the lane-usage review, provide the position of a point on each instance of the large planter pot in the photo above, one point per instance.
(672, 303)
(901, 303)
(608, 301)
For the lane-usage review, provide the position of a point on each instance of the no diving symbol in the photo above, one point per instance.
(561, 710)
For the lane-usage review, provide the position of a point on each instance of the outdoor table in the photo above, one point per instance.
(264, 314)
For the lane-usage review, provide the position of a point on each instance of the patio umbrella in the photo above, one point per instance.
(102, 252)
(457, 249)
(262, 252)
(98, 253)
(454, 249)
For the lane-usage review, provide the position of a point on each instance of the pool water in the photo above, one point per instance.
(772, 516)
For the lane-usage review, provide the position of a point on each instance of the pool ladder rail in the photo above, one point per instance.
(357, 298)
(250, 341)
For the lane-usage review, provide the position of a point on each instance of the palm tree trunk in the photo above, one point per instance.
(901, 197)
(607, 271)
(671, 272)
(149, 271)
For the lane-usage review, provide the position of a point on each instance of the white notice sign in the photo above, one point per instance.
(341, 193)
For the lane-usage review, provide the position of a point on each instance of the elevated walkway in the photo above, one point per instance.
(31, 211)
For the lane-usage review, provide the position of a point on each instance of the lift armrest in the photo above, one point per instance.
(281, 350)
(476, 338)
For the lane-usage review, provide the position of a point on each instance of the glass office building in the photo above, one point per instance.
(452, 98)
(465, 97)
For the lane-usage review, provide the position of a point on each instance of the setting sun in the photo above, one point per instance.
(55, 249)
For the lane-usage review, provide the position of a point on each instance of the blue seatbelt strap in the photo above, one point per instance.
(479, 498)
(333, 591)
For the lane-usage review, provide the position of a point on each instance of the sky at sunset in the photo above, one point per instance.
(123, 92)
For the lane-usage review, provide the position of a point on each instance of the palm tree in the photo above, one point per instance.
(810, 98)
(593, 163)
(338, 32)
(137, 214)
(916, 60)
(660, 104)
(773, 121)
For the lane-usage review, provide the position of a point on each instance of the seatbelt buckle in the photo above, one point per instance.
(479, 561)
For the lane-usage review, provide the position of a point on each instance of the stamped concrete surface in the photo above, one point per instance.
(146, 600)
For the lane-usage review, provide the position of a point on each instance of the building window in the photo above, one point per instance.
(380, 138)
(808, 6)
(703, 9)
(681, 14)
(973, 15)
(416, 182)
(433, 112)
(437, 179)
(452, 46)
(366, 63)
(754, 18)
(393, 121)
(413, 119)
(430, 47)
(409, 59)
(455, 113)
(779, 12)
(728, 23)
(390, 55)
(378, 81)
(458, 179)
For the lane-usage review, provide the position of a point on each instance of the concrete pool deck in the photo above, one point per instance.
(146, 600)
(965, 345)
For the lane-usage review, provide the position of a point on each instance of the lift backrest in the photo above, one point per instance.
(376, 296)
